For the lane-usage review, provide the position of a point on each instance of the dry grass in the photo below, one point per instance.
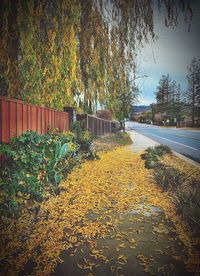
(111, 141)
(189, 170)
(187, 194)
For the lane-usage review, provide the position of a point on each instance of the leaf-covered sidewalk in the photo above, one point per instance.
(111, 219)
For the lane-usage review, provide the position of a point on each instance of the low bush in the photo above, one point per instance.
(160, 150)
(151, 156)
(83, 138)
(33, 165)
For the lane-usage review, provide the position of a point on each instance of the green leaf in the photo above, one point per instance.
(57, 178)
(58, 148)
(21, 139)
(63, 150)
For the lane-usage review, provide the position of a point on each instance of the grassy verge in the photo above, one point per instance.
(179, 178)
(111, 141)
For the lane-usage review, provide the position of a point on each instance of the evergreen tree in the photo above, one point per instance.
(193, 90)
(164, 93)
(168, 96)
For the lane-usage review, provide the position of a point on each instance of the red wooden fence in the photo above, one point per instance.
(17, 117)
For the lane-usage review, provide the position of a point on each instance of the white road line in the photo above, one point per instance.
(175, 142)
(194, 138)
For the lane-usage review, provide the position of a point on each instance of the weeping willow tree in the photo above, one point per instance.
(76, 53)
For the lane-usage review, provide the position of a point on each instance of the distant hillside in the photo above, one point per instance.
(140, 108)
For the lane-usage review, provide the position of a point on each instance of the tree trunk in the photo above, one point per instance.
(193, 98)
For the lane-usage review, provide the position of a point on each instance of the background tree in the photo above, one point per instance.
(123, 101)
(193, 90)
(169, 103)
(164, 93)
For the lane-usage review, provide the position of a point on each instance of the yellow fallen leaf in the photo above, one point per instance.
(120, 257)
(161, 268)
(159, 250)
(132, 241)
(122, 245)
(112, 268)
(80, 266)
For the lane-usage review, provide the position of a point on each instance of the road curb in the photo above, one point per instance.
(190, 161)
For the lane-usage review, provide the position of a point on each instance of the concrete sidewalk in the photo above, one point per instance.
(141, 143)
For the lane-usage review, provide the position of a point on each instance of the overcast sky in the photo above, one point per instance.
(172, 53)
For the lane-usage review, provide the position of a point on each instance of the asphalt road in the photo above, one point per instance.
(186, 142)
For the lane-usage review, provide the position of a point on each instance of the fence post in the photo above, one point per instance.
(72, 114)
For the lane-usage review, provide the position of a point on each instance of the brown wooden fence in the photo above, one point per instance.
(97, 125)
(17, 117)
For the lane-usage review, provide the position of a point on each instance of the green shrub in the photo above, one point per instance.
(33, 164)
(151, 159)
(160, 150)
(151, 155)
(84, 140)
